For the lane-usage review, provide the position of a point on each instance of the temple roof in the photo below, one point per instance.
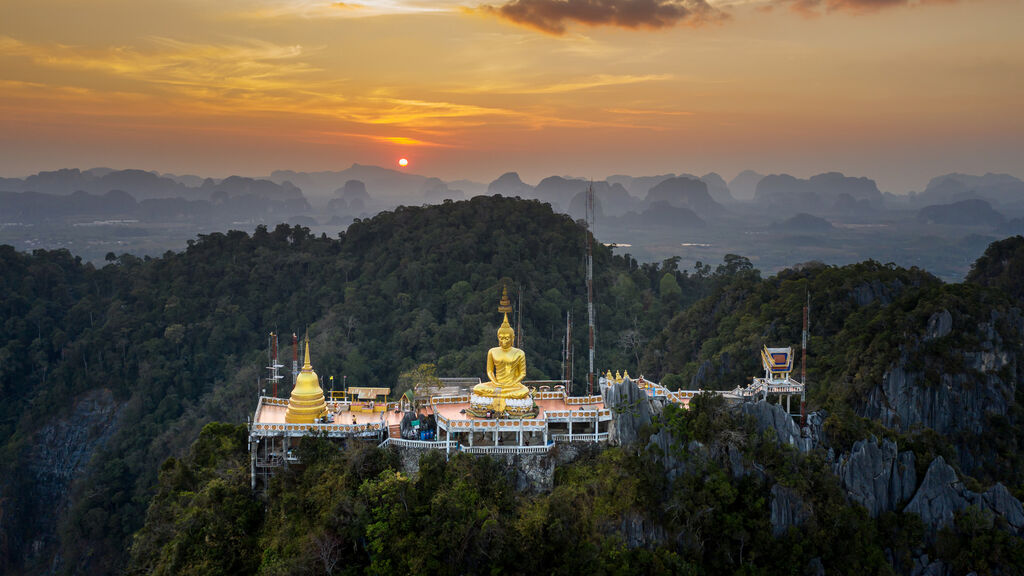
(777, 359)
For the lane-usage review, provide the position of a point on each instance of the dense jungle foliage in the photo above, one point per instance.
(181, 340)
(615, 511)
(864, 319)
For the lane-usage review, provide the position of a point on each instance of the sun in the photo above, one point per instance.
(403, 162)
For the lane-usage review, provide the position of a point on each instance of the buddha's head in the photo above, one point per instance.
(506, 334)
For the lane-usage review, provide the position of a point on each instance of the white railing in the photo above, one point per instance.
(505, 449)
(452, 444)
(294, 430)
(580, 437)
(438, 444)
(577, 415)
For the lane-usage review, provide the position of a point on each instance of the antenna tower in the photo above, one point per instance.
(803, 362)
(567, 349)
(295, 358)
(591, 223)
(274, 366)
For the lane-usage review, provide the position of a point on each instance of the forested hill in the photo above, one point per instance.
(911, 463)
(105, 372)
(893, 352)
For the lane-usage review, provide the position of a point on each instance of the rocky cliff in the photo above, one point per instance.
(631, 409)
(877, 475)
(953, 379)
(942, 495)
(59, 453)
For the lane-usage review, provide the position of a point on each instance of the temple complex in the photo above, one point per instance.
(506, 414)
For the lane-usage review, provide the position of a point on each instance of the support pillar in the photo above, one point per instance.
(254, 446)
(447, 442)
(570, 429)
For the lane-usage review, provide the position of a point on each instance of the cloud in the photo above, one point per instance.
(565, 86)
(383, 139)
(552, 16)
(818, 7)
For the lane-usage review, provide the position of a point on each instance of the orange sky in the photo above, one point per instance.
(892, 90)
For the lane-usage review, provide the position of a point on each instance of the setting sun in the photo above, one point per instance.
(403, 162)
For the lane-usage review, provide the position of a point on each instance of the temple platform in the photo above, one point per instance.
(560, 418)
(342, 420)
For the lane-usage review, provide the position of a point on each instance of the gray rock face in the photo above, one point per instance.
(788, 510)
(1002, 503)
(876, 475)
(868, 292)
(631, 410)
(939, 325)
(661, 446)
(774, 417)
(816, 427)
(638, 531)
(956, 403)
(60, 452)
(941, 495)
(923, 567)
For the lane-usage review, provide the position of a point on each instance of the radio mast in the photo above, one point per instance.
(591, 223)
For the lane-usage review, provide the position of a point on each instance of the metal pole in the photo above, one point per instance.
(591, 223)
(295, 359)
(803, 363)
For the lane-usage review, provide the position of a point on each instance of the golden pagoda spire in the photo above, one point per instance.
(625, 375)
(618, 377)
(505, 305)
(307, 400)
(306, 366)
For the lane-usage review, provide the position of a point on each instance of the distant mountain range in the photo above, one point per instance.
(336, 197)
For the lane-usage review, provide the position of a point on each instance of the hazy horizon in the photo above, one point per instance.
(728, 177)
(896, 91)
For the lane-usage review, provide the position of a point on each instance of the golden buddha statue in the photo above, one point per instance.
(504, 393)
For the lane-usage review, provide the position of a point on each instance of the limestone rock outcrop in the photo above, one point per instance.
(631, 411)
(774, 417)
(877, 475)
(788, 509)
(941, 495)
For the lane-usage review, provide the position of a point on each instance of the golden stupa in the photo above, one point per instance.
(307, 401)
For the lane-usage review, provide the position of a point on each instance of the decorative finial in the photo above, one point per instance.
(625, 375)
(618, 377)
(307, 366)
(504, 305)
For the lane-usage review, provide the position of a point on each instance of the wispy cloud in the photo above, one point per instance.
(641, 112)
(552, 16)
(385, 139)
(271, 9)
(248, 76)
(819, 7)
(575, 85)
